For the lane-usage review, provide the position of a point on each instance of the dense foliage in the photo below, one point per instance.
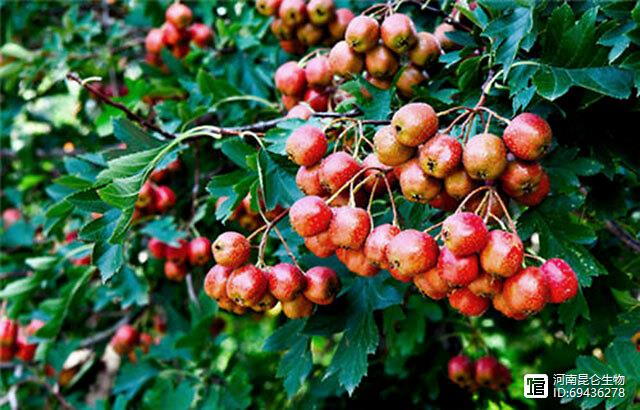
(88, 117)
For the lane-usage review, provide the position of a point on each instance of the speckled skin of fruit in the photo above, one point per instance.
(357, 262)
(457, 270)
(344, 61)
(526, 291)
(286, 281)
(375, 247)
(500, 304)
(125, 339)
(503, 378)
(372, 175)
(321, 11)
(414, 124)
(561, 280)
(411, 252)
(388, 150)
(426, 50)
(460, 370)
(464, 233)
(300, 111)
(503, 254)
(268, 7)
(215, 282)
(179, 15)
(485, 285)
(362, 33)
(308, 180)
(317, 99)
(349, 227)
(175, 271)
(201, 34)
(298, 308)
(381, 62)
(306, 145)
(199, 251)
(440, 156)
(431, 284)
(157, 248)
(323, 285)
(486, 370)
(310, 216)
(520, 178)
(163, 199)
(290, 79)
(539, 193)
(338, 26)
(267, 302)
(231, 249)
(444, 201)
(528, 136)
(225, 303)
(321, 244)
(484, 157)
(459, 184)
(247, 285)
(309, 34)
(409, 78)
(416, 186)
(337, 169)
(468, 303)
(398, 33)
(318, 71)
(293, 12)
(154, 42)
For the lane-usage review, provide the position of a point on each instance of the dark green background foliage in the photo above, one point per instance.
(576, 64)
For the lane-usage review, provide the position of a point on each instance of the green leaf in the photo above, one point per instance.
(165, 230)
(108, 258)
(234, 186)
(164, 395)
(21, 286)
(237, 151)
(554, 82)
(100, 229)
(376, 105)
(135, 138)
(18, 235)
(508, 32)
(295, 365)
(128, 288)
(279, 179)
(132, 377)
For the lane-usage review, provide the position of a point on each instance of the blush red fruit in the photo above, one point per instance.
(561, 280)
(503, 254)
(411, 252)
(231, 249)
(322, 285)
(306, 145)
(286, 281)
(457, 270)
(464, 233)
(310, 216)
(349, 227)
(247, 285)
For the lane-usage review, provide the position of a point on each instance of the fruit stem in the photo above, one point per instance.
(303, 61)
(453, 109)
(493, 113)
(512, 225)
(432, 227)
(393, 202)
(373, 192)
(455, 121)
(498, 220)
(535, 257)
(488, 124)
(348, 183)
(478, 209)
(470, 195)
(286, 248)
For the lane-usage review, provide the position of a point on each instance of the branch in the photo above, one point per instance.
(130, 114)
(625, 237)
(105, 334)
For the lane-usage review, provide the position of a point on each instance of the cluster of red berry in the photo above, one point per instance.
(127, 338)
(175, 34)
(14, 339)
(196, 252)
(298, 25)
(427, 161)
(237, 285)
(154, 198)
(485, 372)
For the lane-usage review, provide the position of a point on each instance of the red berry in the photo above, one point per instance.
(528, 136)
(323, 285)
(411, 252)
(338, 26)
(375, 247)
(177, 254)
(175, 271)
(299, 111)
(125, 339)
(344, 61)
(539, 193)
(199, 251)
(226, 303)
(336, 170)
(201, 34)
(145, 196)
(526, 291)
(215, 283)
(362, 33)
(286, 281)
(521, 178)
(268, 7)
(388, 150)
(486, 370)
(8, 332)
(380, 62)
(416, 186)
(157, 248)
(426, 50)
(457, 270)
(266, 303)
(25, 351)
(440, 156)
(154, 42)
(231, 249)
(459, 184)
(289, 101)
(444, 201)
(398, 33)
(485, 285)
(464, 233)
(321, 11)
(460, 369)
(290, 79)
(356, 262)
(318, 71)
(247, 285)
(560, 279)
(503, 378)
(484, 157)
(349, 227)
(431, 284)
(468, 303)
(179, 15)
(321, 244)
(308, 180)
(415, 123)
(373, 175)
(293, 12)
(503, 254)
(298, 308)
(501, 305)
(310, 216)
(307, 145)
(317, 98)
(173, 36)
(164, 198)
